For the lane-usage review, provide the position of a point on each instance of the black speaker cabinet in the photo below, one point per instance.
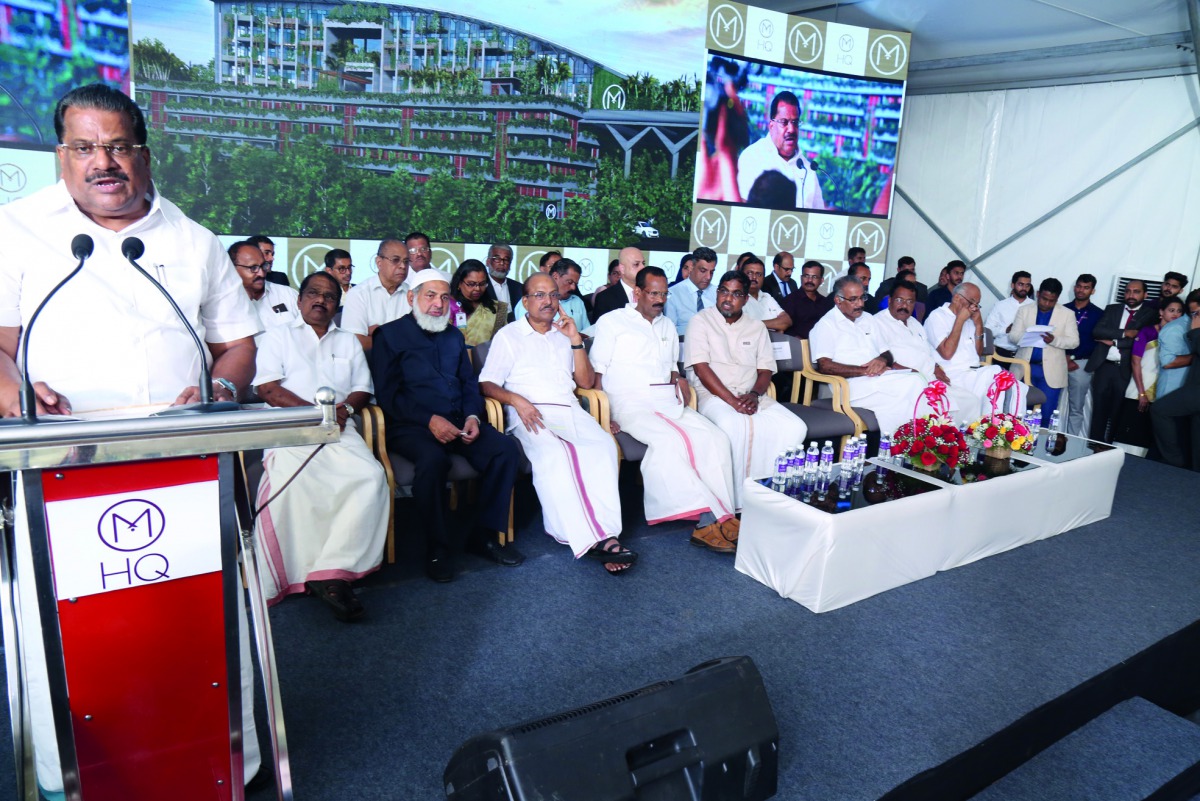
(709, 735)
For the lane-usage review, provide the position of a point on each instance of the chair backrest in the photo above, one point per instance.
(989, 344)
(795, 360)
(806, 356)
(480, 356)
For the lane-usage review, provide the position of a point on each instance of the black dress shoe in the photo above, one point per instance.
(506, 555)
(439, 566)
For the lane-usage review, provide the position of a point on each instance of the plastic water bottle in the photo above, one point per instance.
(848, 451)
(827, 458)
(885, 446)
(811, 458)
(796, 464)
(1054, 420)
(860, 452)
(779, 480)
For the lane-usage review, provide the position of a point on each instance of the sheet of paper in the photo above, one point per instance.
(782, 351)
(1033, 336)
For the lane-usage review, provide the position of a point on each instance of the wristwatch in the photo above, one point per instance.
(227, 384)
(577, 347)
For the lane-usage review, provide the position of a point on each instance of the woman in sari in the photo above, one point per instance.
(1133, 423)
(482, 315)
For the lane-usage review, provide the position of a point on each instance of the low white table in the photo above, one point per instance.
(903, 525)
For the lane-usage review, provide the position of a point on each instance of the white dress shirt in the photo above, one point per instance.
(1001, 317)
(735, 351)
(764, 307)
(907, 342)
(293, 355)
(501, 290)
(681, 303)
(763, 156)
(845, 341)
(108, 339)
(633, 353)
(538, 367)
(279, 305)
(370, 304)
(938, 326)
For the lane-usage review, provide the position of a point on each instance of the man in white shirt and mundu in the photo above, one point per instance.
(533, 368)
(688, 469)
(730, 363)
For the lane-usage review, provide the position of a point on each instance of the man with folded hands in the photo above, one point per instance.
(688, 469)
(327, 527)
(533, 368)
(430, 398)
(730, 363)
(846, 342)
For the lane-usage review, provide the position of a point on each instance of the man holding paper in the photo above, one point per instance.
(1044, 332)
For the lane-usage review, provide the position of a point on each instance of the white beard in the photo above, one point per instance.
(427, 322)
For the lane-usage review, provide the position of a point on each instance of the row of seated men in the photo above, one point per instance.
(426, 386)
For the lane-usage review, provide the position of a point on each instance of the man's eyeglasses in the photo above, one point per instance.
(393, 259)
(312, 294)
(902, 302)
(732, 293)
(426, 251)
(85, 150)
(785, 122)
(543, 295)
(343, 269)
(853, 300)
(255, 268)
(657, 295)
(500, 260)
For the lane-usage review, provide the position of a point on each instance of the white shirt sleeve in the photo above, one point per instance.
(355, 311)
(995, 322)
(500, 360)
(822, 341)
(269, 360)
(603, 338)
(360, 372)
(695, 342)
(225, 310)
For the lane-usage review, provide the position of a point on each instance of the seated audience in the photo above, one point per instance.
(1111, 362)
(566, 274)
(696, 293)
(808, 305)
(1174, 413)
(548, 260)
(506, 290)
(956, 333)
(950, 277)
(618, 295)
(903, 264)
(383, 297)
(779, 284)
(419, 251)
(687, 470)
(909, 275)
(760, 305)
(614, 275)
(267, 247)
(1047, 362)
(327, 527)
(275, 304)
(729, 364)
(844, 343)
(426, 386)
(339, 265)
(533, 368)
(480, 315)
(685, 267)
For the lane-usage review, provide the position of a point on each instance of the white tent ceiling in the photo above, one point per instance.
(970, 45)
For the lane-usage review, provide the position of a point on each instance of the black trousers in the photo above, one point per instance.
(493, 455)
(1107, 392)
(1172, 415)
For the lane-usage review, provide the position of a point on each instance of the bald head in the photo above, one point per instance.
(630, 262)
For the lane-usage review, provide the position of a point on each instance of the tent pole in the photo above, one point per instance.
(949, 242)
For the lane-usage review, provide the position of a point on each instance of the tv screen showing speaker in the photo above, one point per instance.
(784, 138)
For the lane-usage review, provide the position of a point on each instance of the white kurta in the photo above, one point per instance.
(331, 521)
(763, 156)
(110, 340)
(370, 305)
(764, 307)
(963, 366)
(574, 460)
(892, 395)
(688, 466)
(736, 352)
(279, 305)
(911, 348)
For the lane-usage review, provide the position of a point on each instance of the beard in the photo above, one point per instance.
(427, 322)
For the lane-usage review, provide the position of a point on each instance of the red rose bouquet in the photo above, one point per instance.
(933, 440)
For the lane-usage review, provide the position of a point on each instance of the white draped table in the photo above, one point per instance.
(827, 560)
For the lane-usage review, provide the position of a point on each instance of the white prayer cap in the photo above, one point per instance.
(425, 276)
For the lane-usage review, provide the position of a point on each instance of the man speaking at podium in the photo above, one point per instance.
(108, 339)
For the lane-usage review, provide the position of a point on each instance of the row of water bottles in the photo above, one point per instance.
(811, 470)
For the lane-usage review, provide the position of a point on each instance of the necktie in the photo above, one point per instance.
(699, 300)
(784, 288)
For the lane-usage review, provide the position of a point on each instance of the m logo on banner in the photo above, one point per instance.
(12, 178)
(613, 97)
(787, 233)
(711, 228)
(805, 42)
(304, 263)
(869, 236)
(443, 260)
(726, 27)
(530, 265)
(131, 525)
(888, 54)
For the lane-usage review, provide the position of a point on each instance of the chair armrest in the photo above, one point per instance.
(1023, 363)
(374, 433)
(495, 413)
(597, 405)
(771, 391)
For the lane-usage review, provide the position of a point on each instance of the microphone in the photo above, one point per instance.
(81, 248)
(813, 163)
(132, 249)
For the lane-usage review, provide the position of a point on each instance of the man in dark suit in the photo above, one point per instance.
(630, 262)
(779, 284)
(508, 291)
(430, 398)
(1111, 363)
(885, 288)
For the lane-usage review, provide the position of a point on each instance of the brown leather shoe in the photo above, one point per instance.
(730, 529)
(711, 537)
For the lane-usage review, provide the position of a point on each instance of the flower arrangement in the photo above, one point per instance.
(1000, 431)
(929, 441)
(933, 440)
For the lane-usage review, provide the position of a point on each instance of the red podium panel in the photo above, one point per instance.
(137, 561)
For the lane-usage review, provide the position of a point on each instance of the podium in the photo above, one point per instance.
(131, 530)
